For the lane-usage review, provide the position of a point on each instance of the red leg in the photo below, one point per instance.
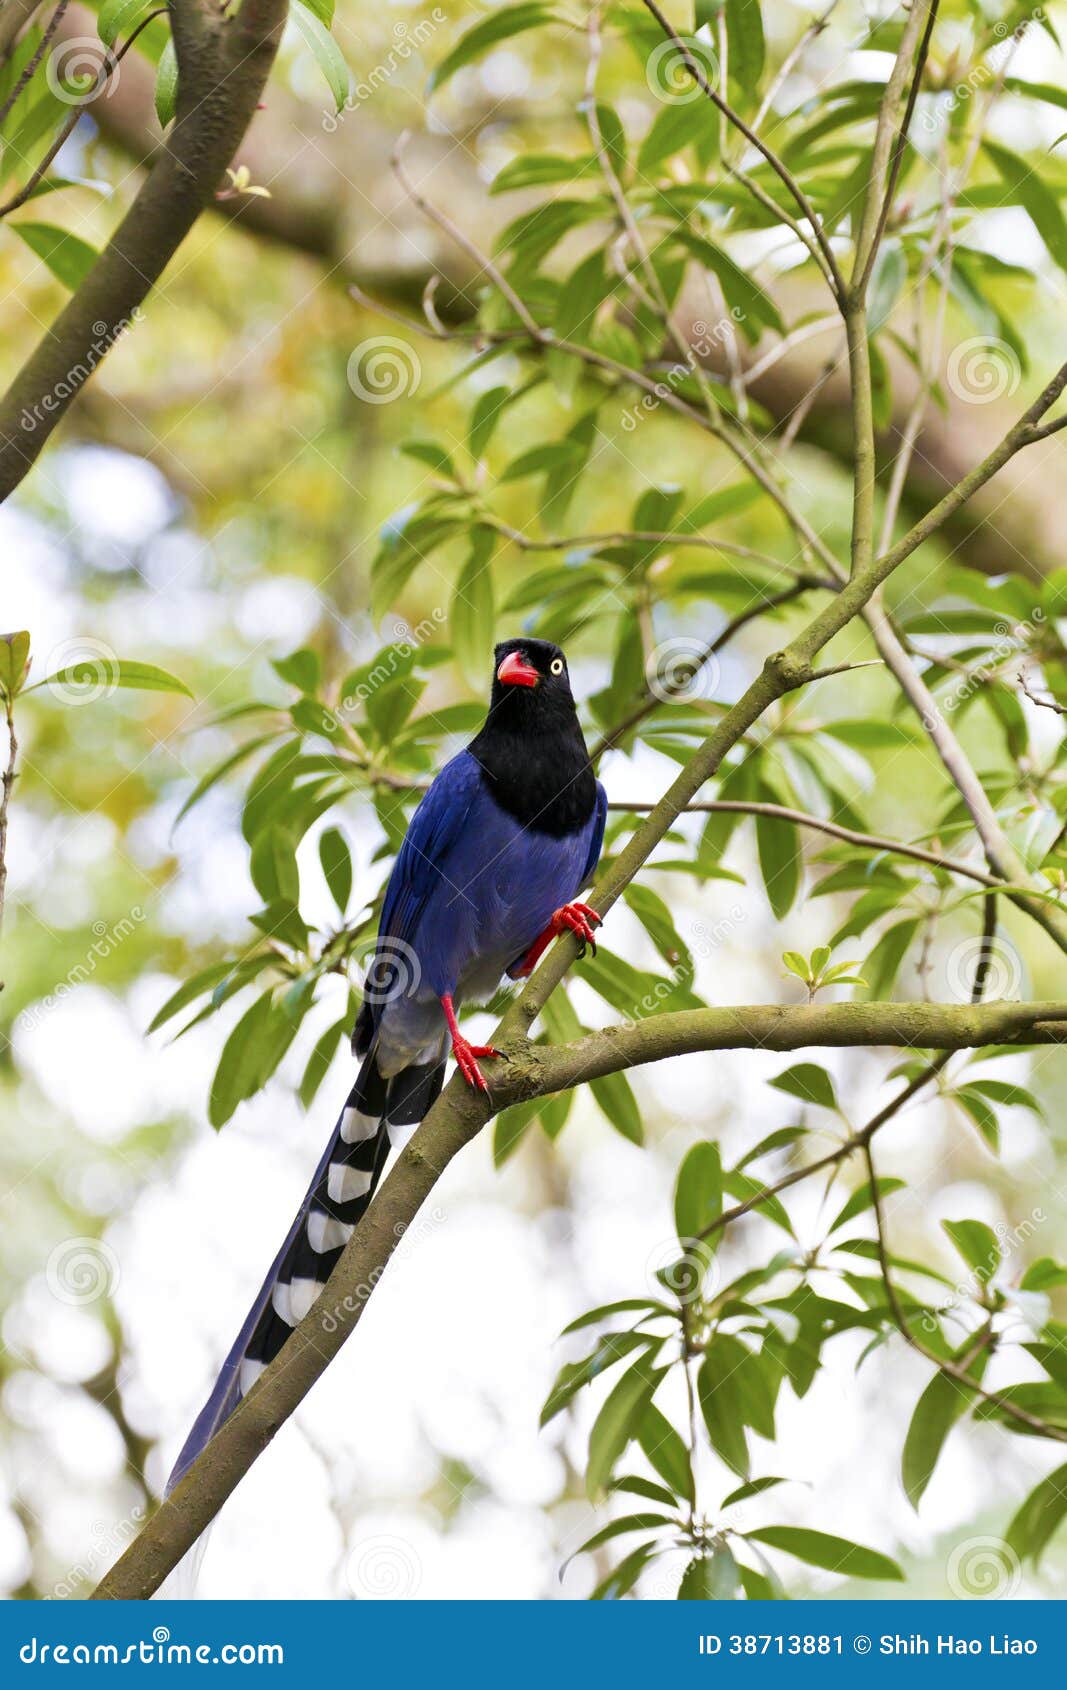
(465, 1053)
(574, 917)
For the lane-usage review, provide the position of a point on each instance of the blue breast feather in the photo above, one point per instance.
(472, 889)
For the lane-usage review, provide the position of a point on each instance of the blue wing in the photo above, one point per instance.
(597, 841)
(433, 831)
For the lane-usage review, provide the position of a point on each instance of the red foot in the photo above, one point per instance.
(465, 1053)
(574, 917)
(580, 919)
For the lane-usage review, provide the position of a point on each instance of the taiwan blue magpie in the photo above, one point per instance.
(488, 874)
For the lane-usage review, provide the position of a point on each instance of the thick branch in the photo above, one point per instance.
(223, 66)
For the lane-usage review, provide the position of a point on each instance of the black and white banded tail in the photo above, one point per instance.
(338, 1196)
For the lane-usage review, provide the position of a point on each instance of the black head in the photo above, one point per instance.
(531, 747)
(530, 681)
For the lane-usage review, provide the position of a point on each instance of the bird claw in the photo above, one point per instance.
(580, 919)
(466, 1056)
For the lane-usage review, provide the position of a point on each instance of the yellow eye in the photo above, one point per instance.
(556, 666)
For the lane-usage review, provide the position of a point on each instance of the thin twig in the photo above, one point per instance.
(819, 824)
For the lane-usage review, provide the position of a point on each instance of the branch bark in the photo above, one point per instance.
(223, 64)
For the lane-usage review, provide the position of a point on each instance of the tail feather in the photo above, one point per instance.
(338, 1196)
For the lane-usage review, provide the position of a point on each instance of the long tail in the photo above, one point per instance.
(338, 1196)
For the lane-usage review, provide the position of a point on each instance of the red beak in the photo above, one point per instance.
(516, 672)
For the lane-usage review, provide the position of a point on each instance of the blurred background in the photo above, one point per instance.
(213, 502)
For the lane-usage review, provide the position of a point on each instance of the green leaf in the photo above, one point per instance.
(666, 1451)
(978, 1245)
(327, 54)
(710, 1578)
(187, 992)
(166, 96)
(472, 615)
(751, 308)
(618, 1420)
(619, 1528)
(1026, 188)
(1043, 1275)
(698, 1191)
(501, 25)
(318, 1063)
(944, 1401)
(863, 1199)
(14, 661)
(780, 862)
(114, 672)
(510, 1127)
(336, 860)
(745, 44)
(719, 1387)
(301, 669)
(115, 16)
(488, 409)
(882, 965)
(1032, 1526)
(615, 1097)
(67, 256)
(808, 1081)
(252, 1051)
(836, 1554)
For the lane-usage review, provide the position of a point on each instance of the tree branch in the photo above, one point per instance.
(457, 1118)
(819, 824)
(223, 64)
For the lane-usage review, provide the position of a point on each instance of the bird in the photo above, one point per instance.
(487, 875)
